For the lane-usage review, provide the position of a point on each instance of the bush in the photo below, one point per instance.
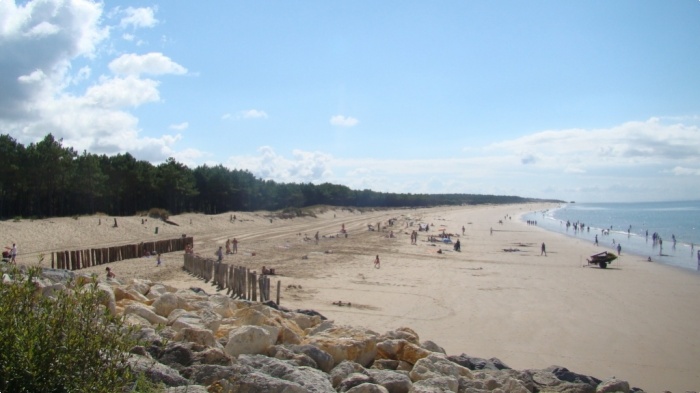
(67, 343)
(158, 213)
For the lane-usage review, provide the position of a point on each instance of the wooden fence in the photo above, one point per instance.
(238, 281)
(80, 259)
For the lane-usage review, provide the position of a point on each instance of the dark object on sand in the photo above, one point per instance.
(602, 259)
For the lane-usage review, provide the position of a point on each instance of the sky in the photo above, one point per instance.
(590, 101)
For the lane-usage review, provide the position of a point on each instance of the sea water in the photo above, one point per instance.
(632, 225)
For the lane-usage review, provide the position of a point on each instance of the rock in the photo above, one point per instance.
(323, 359)
(187, 389)
(436, 365)
(352, 380)
(155, 371)
(393, 381)
(368, 388)
(432, 347)
(249, 340)
(165, 304)
(256, 382)
(177, 355)
(563, 374)
(474, 363)
(145, 312)
(215, 356)
(613, 385)
(129, 294)
(400, 349)
(309, 378)
(199, 336)
(156, 291)
(140, 286)
(546, 380)
(347, 343)
(490, 381)
(207, 374)
(342, 370)
(385, 364)
(298, 359)
(402, 333)
(107, 298)
(436, 384)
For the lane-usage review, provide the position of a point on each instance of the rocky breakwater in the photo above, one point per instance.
(199, 342)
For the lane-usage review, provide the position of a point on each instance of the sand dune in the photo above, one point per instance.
(635, 320)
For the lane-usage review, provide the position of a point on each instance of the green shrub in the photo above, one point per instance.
(158, 213)
(68, 343)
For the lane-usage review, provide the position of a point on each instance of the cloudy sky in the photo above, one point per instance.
(593, 101)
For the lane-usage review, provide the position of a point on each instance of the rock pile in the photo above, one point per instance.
(199, 342)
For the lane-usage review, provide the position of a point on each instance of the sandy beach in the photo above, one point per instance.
(636, 320)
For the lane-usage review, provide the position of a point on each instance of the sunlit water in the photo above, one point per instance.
(668, 219)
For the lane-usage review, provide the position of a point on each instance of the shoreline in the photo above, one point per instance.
(681, 255)
(632, 320)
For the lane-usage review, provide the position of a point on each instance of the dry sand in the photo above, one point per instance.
(636, 320)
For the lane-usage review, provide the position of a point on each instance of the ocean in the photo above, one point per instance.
(631, 225)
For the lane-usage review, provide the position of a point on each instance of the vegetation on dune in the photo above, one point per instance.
(46, 179)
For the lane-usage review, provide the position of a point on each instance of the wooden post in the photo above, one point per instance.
(279, 285)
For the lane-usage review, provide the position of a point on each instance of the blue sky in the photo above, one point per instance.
(594, 101)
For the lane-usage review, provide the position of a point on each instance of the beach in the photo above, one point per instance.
(498, 297)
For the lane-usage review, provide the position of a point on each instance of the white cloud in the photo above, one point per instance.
(253, 114)
(151, 63)
(52, 35)
(123, 92)
(680, 171)
(180, 126)
(343, 121)
(138, 17)
(302, 167)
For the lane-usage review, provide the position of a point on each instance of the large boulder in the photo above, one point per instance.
(347, 343)
(256, 382)
(155, 371)
(250, 340)
(199, 336)
(165, 304)
(400, 349)
(146, 313)
(439, 384)
(437, 365)
(393, 381)
(613, 385)
(309, 378)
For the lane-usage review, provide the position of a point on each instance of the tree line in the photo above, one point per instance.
(47, 179)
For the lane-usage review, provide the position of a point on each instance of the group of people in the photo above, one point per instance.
(230, 243)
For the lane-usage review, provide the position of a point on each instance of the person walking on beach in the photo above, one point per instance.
(158, 262)
(596, 240)
(376, 262)
(462, 229)
(235, 243)
(544, 250)
(316, 237)
(13, 253)
(219, 254)
(619, 248)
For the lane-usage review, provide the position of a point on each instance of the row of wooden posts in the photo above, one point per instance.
(239, 282)
(80, 259)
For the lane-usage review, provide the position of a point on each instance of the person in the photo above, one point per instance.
(235, 242)
(110, 273)
(619, 248)
(462, 229)
(219, 254)
(158, 262)
(13, 253)
(228, 246)
(376, 262)
(458, 246)
(316, 237)
(544, 250)
(596, 240)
